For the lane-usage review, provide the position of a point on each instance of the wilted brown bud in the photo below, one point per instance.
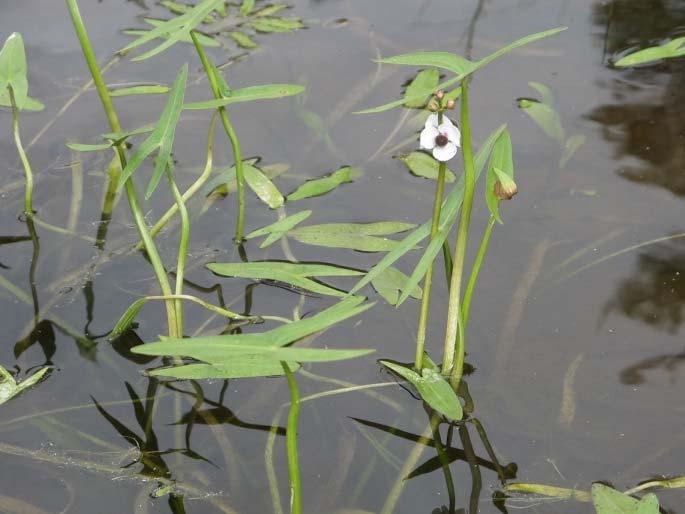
(505, 192)
(440, 95)
(433, 106)
(450, 104)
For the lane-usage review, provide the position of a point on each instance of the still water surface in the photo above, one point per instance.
(578, 365)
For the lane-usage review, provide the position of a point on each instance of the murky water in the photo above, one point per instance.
(575, 335)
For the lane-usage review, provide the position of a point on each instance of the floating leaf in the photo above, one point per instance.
(433, 388)
(296, 275)
(270, 9)
(276, 230)
(140, 90)
(262, 186)
(323, 185)
(389, 284)
(240, 367)
(500, 169)
(249, 94)
(355, 236)
(423, 165)
(242, 40)
(419, 59)
(425, 80)
(162, 137)
(247, 7)
(268, 24)
(571, 146)
(13, 73)
(674, 48)
(173, 30)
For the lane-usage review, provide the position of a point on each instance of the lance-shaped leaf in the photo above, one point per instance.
(323, 185)
(9, 388)
(295, 275)
(389, 284)
(545, 117)
(162, 137)
(276, 230)
(571, 146)
(445, 60)
(247, 7)
(14, 74)
(424, 80)
(363, 237)
(500, 169)
(249, 94)
(114, 138)
(151, 89)
(433, 388)
(423, 165)
(429, 59)
(674, 48)
(248, 366)
(184, 38)
(276, 24)
(242, 39)
(450, 208)
(173, 30)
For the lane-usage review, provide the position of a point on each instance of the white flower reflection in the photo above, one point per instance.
(443, 139)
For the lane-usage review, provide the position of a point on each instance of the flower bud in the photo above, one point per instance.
(433, 106)
(440, 95)
(505, 191)
(450, 104)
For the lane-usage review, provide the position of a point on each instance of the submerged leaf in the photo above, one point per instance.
(390, 283)
(571, 146)
(545, 117)
(423, 165)
(323, 185)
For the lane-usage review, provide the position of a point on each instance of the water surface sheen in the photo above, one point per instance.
(579, 360)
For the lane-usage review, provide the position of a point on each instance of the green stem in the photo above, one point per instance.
(115, 126)
(182, 248)
(454, 310)
(477, 263)
(232, 136)
(28, 191)
(428, 281)
(291, 438)
(445, 465)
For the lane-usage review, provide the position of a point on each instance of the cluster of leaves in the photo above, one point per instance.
(239, 23)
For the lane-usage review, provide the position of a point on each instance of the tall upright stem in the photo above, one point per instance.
(291, 439)
(28, 173)
(428, 281)
(232, 136)
(453, 310)
(113, 119)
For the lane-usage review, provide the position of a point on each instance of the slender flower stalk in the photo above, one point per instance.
(450, 351)
(477, 264)
(428, 280)
(233, 138)
(28, 173)
(113, 119)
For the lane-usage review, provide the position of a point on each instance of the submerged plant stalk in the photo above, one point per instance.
(428, 281)
(115, 126)
(291, 438)
(233, 138)
(453, 357)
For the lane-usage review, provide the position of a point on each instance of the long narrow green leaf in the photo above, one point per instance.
(325, 184)
(461, 75)
(450, 208)
(355, 236)
(162, 137)
(249, 94)
(281, 225)
(173, 29)
(249, 366)
(653, 54)
(445, 60)
(185, 37)
(139, 90)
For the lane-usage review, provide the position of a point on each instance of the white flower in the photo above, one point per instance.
(443, 139)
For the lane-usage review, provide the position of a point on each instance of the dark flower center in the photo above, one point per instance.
(441, 140)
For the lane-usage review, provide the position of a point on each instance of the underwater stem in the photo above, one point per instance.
(115, 126)
(291, 438)
(233, 138)
(428, 280)
(453, 311)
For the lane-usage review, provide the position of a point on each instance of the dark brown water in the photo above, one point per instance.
(578, 364)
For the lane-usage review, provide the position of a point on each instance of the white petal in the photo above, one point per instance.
(432, 121)
(446, 121)
(451, 132)
(428, 135)
(445, 153)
